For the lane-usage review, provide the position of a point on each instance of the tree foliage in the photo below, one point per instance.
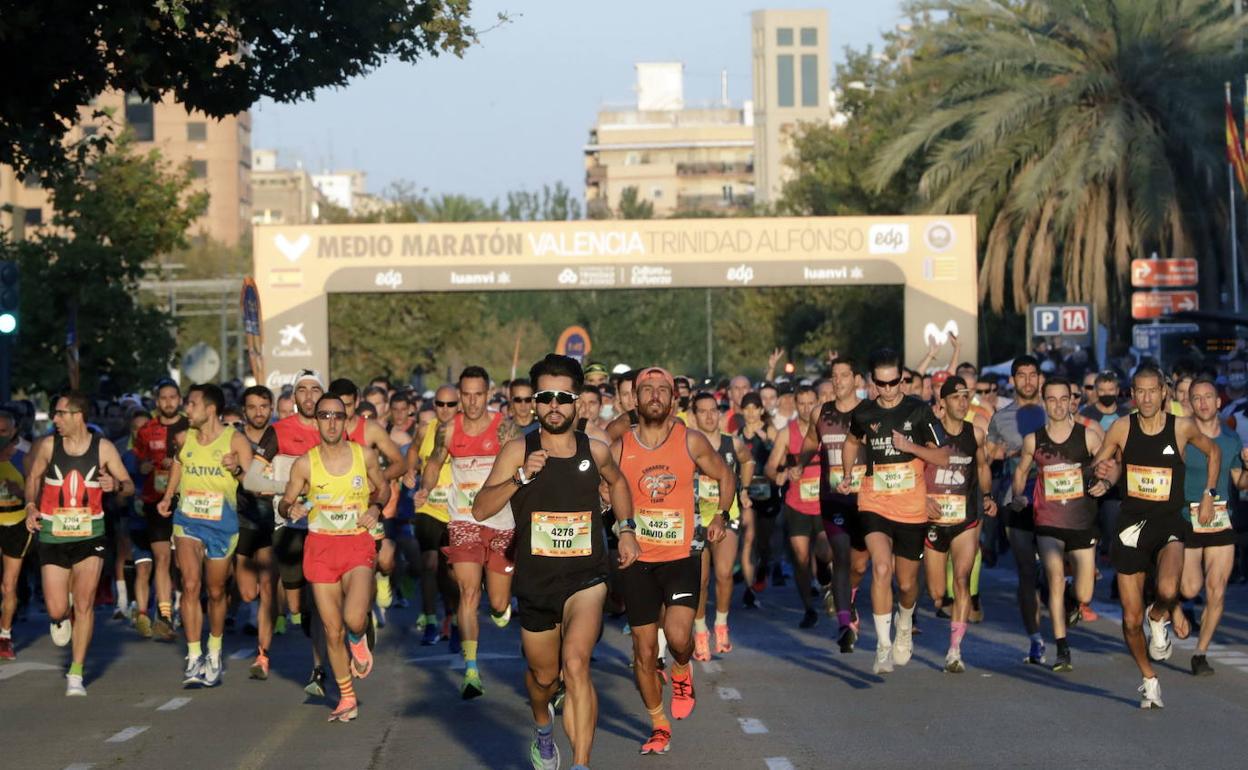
(216, 56)
(633, 206)
(111, 222)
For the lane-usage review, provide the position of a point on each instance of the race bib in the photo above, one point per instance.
(268, 474)
(1221, 518)
(760, 489)
(440, 496)
(952, 508)
(708, 490)
(1063, 482)
(658, 526)
(160, 480)
(893, 478)
(465, 494)
(808, 490)
(836, 474)
(1147, 483)
(561, 535)
(71, 522)
(206, 506)
(337, 519)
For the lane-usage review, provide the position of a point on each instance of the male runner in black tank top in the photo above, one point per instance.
(551, 480)
(1149, 449)
(1065, 516)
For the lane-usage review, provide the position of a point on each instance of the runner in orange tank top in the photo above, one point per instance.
(659, 458)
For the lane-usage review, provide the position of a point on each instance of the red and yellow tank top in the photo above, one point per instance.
(337, 502)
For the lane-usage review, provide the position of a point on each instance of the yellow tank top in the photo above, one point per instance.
(12, 505)
(337, 501)
(207, 490)
(435, 506)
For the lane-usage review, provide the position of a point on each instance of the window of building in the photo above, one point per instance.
(33, 217)
(31, 182)
(656, 193)
(784, 80)
(784, 36)
(88, 131)
(810, 80)
(196, 131)
(199, 169)
(727, 193)
(140, 119)
(810, 36)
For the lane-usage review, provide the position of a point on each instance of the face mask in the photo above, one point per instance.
(6, 440)
(861, 393)
(1107, 400)
(607, 412)
(1237, 379)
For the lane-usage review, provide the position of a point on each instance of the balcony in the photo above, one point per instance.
(713, 202)
(715, 169)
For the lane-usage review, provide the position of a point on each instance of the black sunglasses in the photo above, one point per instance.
(983, 391)
(521, 399)
(886, 383)
(561, 397)
(445, 403)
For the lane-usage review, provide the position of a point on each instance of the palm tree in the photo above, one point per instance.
(1082, 133)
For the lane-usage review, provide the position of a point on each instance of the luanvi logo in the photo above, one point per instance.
(292, 250)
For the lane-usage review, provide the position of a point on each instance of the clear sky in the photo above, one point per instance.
(515, 111)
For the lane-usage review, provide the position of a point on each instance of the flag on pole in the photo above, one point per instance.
(252, 331)
(1235, 151)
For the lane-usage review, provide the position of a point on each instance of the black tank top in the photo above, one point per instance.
(1152, 472)
(956, 486)
(560, 545)
(581, 422)
(1060, 495)
(759, 447)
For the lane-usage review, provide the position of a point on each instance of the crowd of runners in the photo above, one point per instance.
(577, 493)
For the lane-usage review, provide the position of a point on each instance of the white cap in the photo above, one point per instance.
(309, 374)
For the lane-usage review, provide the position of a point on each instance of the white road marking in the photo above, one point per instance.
(711, 667)
(778, 763)
(80, 766)
(729, 693)
(127, 734)
(242, 654)
(751, 726)
(174, 704)
(147, 703)
(1227, 654)
(10, 670)
(456, 661)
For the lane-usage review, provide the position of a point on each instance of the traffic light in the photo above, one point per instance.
(10, 296)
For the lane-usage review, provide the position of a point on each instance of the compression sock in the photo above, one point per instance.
(957, 630)
(948, 577)
(470, 654)
(905, 616)
(699, 625)
(884, 630)
(296, 618)
(123, 598)
(214, 647)
(843, 618)
(979, 562)
(721, 618)
(658, 718)
(75, 669)
(346, 691)
(194, 650)
(165, 609)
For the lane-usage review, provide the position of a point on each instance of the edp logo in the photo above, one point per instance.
(390, 279)
(888, 239)
(741, 273)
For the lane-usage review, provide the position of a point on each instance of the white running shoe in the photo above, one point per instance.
(73, 686)
(953, 662)
(1159, 646)
(883, 660)
(903, 645)
(194, 673)
(211, 670)
(1151, 694)
(61, 632)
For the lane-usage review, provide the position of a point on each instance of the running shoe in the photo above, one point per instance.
(748, 599)
(883, 660)
(543, 751)
(701, 645)
(212, 670)
(348, 709)
(1063, 663)
(1088, 614)
(1159, 645)
(6, 649)
(1200, 666)
(260, 667)
(977, 611)
(431, 635)
(61, 632)
(143, 624)
(829, 602)
(162, 630)
(1035, 655)
(809, 619)
(1073, 614)
(1150, 691)
(73, 686)
(759, 585)
(853, 619)
(501, 619)
(471, 687)
(361, 658)
(119, 612)
(903, 645)
(316, 683)
(682, 694)
(385, 596)
(723, 643)
(456, 645)
(942, 613)
(194, 672)
(847, 638)
(370, 633)
(953, 662)
(560, 695)
(660, 741)
(279, 625)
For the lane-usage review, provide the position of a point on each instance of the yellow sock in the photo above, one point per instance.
(470, 650)
(679, 670)
(658, 718)
(166, 609)
(345, 688)
(193, 650)
(214, 644)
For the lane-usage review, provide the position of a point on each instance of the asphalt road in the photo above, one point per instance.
(783, 698)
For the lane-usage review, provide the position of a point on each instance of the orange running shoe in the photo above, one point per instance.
(348, 709)
(660, 741)
(682, 694)
(722, 643)
(1088, 613)
(701, 645)
(260, 668)
(361, 658)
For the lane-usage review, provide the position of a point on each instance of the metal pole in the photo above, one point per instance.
(1230, 179)
(710, 339)
(225, 350)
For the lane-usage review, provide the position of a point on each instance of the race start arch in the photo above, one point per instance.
(297, 267)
